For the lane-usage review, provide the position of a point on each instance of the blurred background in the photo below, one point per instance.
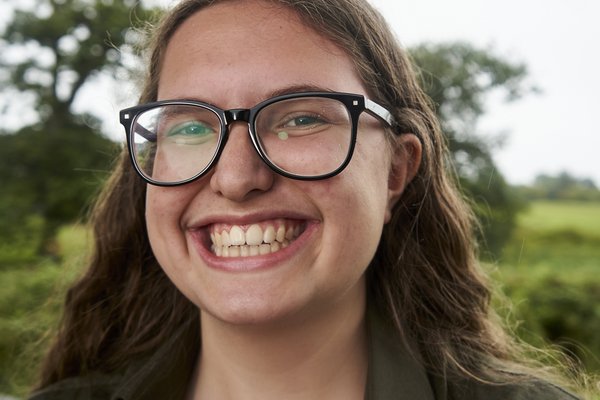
(515, 86)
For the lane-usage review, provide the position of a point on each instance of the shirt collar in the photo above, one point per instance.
(394, 372)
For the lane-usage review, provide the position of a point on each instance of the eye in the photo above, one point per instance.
(191, 132)
(301, 121)
(302, 117)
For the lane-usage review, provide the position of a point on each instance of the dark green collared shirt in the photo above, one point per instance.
(396, 374)
(393, 375)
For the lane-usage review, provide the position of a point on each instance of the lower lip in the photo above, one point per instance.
(253, 263)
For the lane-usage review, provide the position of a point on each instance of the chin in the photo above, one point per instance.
(249, 310)
(248, 314)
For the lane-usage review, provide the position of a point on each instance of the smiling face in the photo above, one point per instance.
(244, 244)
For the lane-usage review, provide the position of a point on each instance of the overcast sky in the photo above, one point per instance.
(557, 39)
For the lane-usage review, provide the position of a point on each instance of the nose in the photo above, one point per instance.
(240, 172)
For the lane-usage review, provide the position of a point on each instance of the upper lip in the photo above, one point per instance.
(246, 219)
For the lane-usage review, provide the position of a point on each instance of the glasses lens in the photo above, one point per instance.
(173, 143)
(308, 136)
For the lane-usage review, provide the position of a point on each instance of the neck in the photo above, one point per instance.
(321, 356)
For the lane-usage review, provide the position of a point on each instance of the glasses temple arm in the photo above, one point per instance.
(378, 111)
(145, 133)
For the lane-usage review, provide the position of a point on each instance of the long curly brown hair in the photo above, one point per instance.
(425, 277)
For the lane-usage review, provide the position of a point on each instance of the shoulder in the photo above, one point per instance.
(514, 391)
(395, 372)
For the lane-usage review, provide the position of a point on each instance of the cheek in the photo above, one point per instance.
(354, 203)
(370, 175)
(370, 183)
(164, 210)
(158, 210)
(166, 203)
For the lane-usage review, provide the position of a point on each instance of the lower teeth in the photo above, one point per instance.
(246, 250)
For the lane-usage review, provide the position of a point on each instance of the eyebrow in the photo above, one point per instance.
(291, 89)
(300, 88)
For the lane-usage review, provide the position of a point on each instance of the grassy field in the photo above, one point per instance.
(557, 235)
(30, 301)
(551, 272)
(544, 216)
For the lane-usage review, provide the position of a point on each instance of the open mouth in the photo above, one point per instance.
(256, 239)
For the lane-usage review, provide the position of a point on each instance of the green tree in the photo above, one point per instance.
(460, 78)
(52, 166)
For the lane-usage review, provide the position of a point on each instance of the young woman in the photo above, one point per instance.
(282, 226)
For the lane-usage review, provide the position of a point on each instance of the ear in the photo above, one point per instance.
(405, 162)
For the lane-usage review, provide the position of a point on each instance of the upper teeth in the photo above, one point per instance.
(254, 240)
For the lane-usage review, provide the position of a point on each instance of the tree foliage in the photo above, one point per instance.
(63, 45)
(460, 79)
(52, 166)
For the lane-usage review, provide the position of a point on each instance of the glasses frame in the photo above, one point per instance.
(355, 104)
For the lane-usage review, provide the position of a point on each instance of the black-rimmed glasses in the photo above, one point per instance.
(308, 136)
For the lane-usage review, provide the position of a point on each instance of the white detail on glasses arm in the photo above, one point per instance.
(379, 111)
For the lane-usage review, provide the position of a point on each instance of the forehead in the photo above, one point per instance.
(246, 49)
